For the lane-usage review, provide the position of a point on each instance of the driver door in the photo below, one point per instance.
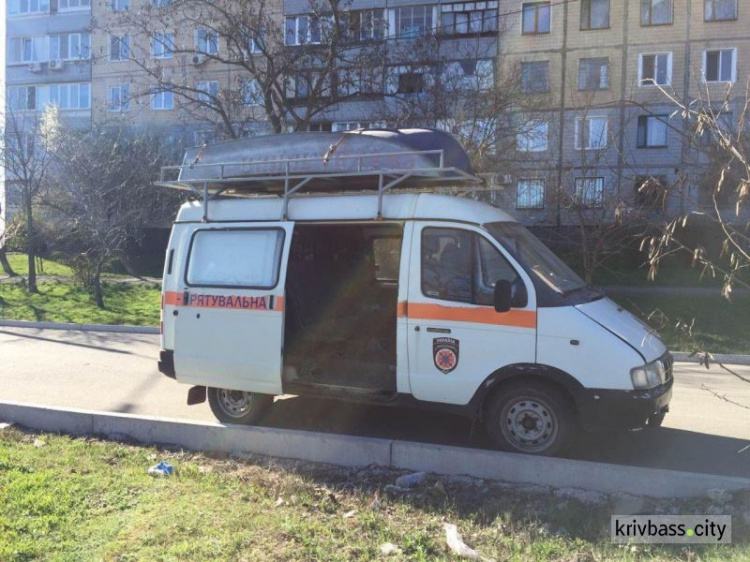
(456, 339)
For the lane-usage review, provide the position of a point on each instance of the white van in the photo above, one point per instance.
(407, 298)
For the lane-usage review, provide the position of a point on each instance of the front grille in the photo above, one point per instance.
(668, 362)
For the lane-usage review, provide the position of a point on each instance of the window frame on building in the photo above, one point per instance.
(80, 87)
(528, 141)
(643, 138)
(528, 183)
(120, 5)
(645, 82)
(713, 6)
(587, 13)
(123, 42)
(209, 40)
(207, 92)
(589, 63)
(582, 195)
(162, 94)
(315, 28)
(83, 45)
(164, 40)
(579, 132)
(251, 91)
(427, 16)
(123, 99)
(42, 7)
(81, 5)
(525, 79)
(38, 49)
(719, 66)
(14, 91)
(486, 19)
(536, 8)
(647, 13)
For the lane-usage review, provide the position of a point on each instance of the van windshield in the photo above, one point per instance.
(536, 257)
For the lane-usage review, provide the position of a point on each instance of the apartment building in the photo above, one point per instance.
(602, 126)
(48, 61)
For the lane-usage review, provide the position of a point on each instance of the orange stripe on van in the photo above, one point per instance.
(230, 302)
(519, 318)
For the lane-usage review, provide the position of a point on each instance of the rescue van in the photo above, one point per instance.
(325, 264)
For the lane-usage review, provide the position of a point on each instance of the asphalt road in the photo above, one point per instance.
(117, 373)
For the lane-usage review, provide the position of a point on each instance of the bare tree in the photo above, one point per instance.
(283, 77)
(26, 141)
(101, 196)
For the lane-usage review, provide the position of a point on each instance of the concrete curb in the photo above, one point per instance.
(726, 358)
(359, 451)
(119, 329)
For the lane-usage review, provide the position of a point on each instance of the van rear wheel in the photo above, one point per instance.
(237, 406)
(531, 418)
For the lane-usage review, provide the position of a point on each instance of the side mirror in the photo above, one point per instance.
(520, 297)
(503, 296)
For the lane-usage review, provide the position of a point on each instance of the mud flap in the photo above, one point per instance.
(196, 395)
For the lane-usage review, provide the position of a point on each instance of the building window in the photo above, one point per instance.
(162, 99)
(410, 83)
(366, 25)
(656, 12)
(590, 192)
(23, 98)
(27, 6)
(652, 131)
(208, 92)
(74, 4)
(533, 138)
(304, 30)
(118, 98)
(119, 47)
(79, 46)
(594, 14)
(252, 94)
(536, 18)
(70, 96)
(593, 74)
(120, 5)
(352, 125)
(413, 21)
(720, 10)
(471, 74)
(591, 133)
(720, 65)
(27, 49)
(655, 69)
(530, 194)
(535, 76)
(468, 17)
(321, 127)
(207, 41)
(359, 82)
(160, 3)
(162, 45)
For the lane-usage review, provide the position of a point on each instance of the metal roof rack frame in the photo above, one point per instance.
(290, 183)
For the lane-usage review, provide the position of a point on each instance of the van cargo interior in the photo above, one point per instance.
(341, 291)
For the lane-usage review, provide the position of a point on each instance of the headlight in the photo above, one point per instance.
(648, 376)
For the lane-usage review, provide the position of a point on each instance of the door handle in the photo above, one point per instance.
(439, 330)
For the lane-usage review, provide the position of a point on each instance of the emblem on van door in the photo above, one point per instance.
(445, 354)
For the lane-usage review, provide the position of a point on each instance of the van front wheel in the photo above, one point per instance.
(237, 406)
(530, 418)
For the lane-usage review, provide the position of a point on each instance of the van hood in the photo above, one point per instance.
(625, 326)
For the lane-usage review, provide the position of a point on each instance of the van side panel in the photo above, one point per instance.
(402, 334)
(173, 264)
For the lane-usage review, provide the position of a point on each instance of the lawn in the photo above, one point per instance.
(62, 301)
(84, 499)
(20, 265)
(719, 326)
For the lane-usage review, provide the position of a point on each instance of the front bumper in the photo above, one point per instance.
(606, 410)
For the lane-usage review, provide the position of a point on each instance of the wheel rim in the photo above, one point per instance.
(529, 424)
(235, 403)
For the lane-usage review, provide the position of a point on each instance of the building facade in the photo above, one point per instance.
(591, 77)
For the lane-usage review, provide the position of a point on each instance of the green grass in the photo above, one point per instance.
(20, 265)
(84, 499)
(719, 326)
(58, 301)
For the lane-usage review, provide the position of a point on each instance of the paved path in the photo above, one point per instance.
(117, 372)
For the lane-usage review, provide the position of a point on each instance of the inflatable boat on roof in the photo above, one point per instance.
(373, 159)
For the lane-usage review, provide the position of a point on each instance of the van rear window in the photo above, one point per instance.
(247, 258)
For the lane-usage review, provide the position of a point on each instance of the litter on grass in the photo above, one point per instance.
(161, 469)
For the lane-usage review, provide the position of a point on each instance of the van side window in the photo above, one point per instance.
(247, 258)
(459, 265)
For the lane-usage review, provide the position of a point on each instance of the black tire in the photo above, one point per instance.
(530, 417)
(236, 406)
(655, 420)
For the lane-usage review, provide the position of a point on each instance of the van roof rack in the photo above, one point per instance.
(285, 165)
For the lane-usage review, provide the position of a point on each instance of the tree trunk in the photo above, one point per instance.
(5, 264)
(97, 282)
(31, 246)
